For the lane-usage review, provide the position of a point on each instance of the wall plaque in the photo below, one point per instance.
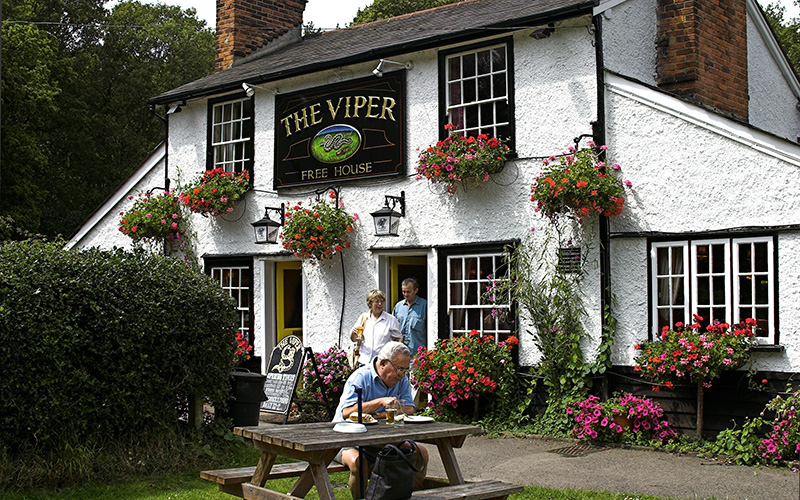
(344, 131)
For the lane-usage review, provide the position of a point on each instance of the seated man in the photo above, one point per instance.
(384, 382)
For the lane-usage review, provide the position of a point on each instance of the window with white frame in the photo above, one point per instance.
(721, 279)
(231, 135)
(468, 306)
(237, 281)
(478, 87)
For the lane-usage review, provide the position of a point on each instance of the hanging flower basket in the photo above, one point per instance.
(317, 230)
(577, 184)
(459, 160)
(216, 192)
(153, 217)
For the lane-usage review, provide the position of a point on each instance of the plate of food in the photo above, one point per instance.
(418, 419)
(365, 419)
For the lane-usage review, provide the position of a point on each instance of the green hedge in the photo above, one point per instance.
(96, 343)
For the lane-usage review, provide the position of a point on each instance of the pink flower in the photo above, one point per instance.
(628, 183)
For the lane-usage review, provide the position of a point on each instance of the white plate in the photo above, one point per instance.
(349, 427)
(418, 419)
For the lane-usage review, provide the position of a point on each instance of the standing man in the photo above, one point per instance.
(412, 313)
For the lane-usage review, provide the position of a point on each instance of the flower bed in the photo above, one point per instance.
(459, 160)
(578, 184)
(465, 368)
(319, 230)
(325, 387)
(216, 192)
(610, 421)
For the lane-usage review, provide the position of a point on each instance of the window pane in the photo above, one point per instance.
(457, 118)
(484, 88)
(468, 65)
(472, 117)
(484, 62)
(662, 257)
(487, 114)
(702, 259)
(455, 93)
(718, 258)
(744, 258)
(455, 269)
(663, 292)
(469, 91)
(703, 292)
(762, 290)
(498, 58)
(678, 316)
(719, 290)
(501, 110)
(745, 290)
(663, 318)
(677, 260)
(761, 258)
(470, 268)
(471, 295)
(487, 266)
(677, 291)
(474, 319)
(456, 297)
(454, 68)
(719, 314)
(499, 85)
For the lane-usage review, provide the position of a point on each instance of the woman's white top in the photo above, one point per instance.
(377, 333)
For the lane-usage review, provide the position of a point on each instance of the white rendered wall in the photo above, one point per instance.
(555, 102)
(773, 105)
(690, 176)
(630, 32)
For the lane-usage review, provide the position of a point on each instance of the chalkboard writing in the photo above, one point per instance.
(283, 372)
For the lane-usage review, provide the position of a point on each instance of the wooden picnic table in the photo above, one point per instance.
(317, 444)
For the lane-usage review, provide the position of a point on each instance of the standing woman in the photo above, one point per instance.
(379, 328)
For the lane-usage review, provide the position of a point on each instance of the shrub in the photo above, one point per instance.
(628, 417)
(467, 368)
(96, 343)
(323, 388)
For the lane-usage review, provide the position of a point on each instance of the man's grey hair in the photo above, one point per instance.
(411, 281)
(392, 349)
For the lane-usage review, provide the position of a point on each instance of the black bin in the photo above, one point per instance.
(247, 393)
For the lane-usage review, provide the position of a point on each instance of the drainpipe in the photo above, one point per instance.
(165, 121)
(599, 132)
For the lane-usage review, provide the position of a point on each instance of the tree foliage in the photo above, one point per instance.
(787, 31)
(384, 9)
(75, 84)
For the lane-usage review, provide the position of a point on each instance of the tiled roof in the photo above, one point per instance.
(383, 39)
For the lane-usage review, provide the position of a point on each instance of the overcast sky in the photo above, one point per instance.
(327, 13)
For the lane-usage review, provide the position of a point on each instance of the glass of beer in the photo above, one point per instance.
(390, 413)
(360, 333)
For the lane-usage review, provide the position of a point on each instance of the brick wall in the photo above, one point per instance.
(244, 26)
(702, 52)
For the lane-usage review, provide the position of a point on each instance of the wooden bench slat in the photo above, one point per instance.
(278, 471)
(481, 490)
(253, 492)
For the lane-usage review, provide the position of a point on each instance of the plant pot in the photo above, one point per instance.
(247, 393)
(623, 422)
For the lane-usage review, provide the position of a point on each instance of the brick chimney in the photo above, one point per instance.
(244, 26)
(702, 53)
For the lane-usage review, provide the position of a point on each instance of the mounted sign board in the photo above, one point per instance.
(344, 131)
(283, 372)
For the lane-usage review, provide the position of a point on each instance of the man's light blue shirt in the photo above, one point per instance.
(373, 387)
(413, 319)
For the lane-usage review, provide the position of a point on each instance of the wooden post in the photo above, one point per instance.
(196, 411)
(700, 409)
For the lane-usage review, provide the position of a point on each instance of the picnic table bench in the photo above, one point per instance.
(316, 444)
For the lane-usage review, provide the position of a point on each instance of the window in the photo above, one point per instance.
(478, 90)
(723, 279)
(230, 135)
(236, 278)
(467, 307)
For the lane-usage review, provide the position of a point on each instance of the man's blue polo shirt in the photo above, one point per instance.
(368, 379)
(412, 323)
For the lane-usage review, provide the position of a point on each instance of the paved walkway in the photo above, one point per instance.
(567, 464)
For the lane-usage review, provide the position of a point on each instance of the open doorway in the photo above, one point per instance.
(407, 267)
(288, 300)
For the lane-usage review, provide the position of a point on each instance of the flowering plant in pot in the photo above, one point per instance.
(465, 368)
(216, 192)
(577, 184)
(154, 216)
(241, 349)
(783, 440)
(462, 160)
(323, 387)
(686, 353)
(318, 230)
(625, 415)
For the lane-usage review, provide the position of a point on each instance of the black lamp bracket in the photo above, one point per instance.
(395, 200)
(279, 210)
(336, 191)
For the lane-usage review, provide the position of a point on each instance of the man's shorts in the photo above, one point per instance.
(370, 453)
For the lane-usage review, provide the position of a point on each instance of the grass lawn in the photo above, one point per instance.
(189, 486)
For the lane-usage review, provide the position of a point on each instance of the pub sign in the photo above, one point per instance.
(344, 131)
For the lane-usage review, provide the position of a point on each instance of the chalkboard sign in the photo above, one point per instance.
(283, 372)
